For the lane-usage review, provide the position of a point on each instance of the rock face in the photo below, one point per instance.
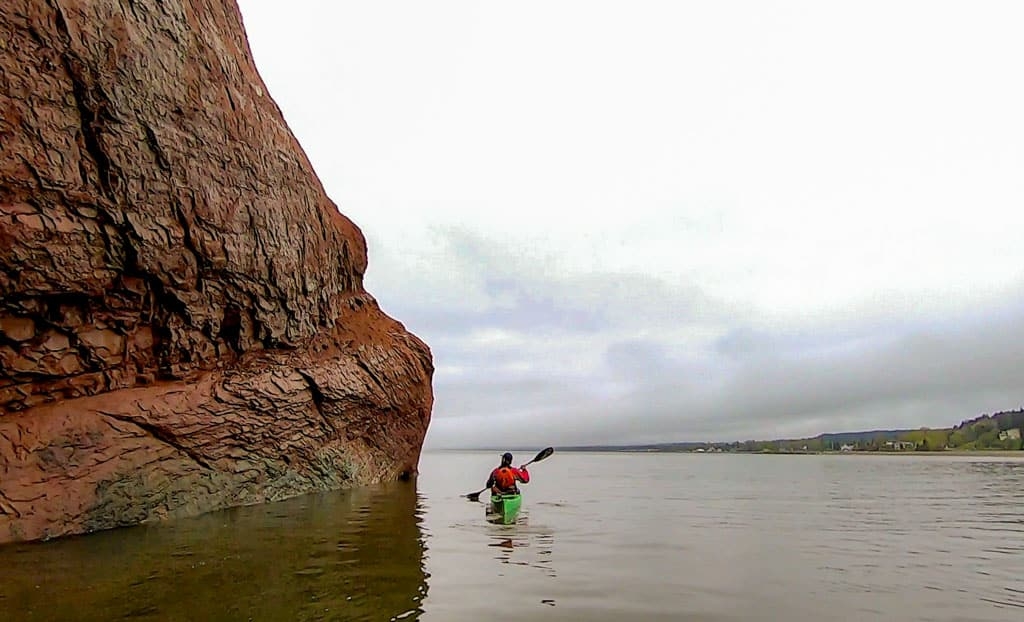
(183, 325)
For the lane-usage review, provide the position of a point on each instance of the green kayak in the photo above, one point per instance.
(503, 509)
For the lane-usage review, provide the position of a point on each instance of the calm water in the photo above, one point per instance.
(601, 537)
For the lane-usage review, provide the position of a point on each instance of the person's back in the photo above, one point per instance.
(504, 479)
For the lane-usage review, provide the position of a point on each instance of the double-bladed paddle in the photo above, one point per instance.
(544, 453)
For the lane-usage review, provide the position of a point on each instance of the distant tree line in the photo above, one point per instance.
(1001, 430)
(984, 432)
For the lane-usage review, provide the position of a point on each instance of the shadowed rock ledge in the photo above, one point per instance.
(183, 325)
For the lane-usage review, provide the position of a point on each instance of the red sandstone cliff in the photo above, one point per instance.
(183, 325)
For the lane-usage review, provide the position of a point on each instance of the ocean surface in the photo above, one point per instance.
(602, 536)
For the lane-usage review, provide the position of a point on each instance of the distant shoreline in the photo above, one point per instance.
(985, 435)
(949, 452)
(996, 453)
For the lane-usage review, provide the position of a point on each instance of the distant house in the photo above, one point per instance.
(901, 445)
(1011, 434)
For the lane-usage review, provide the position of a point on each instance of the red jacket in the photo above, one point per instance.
(503, 479)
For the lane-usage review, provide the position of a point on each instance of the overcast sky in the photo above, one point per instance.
(664, 221)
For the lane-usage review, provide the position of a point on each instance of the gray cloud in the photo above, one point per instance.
(506, 287)
(521, 311)
(742, 383)
(740, 253)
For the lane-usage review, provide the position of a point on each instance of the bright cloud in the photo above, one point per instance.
(620, 221)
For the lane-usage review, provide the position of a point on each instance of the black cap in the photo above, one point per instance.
(506, 458)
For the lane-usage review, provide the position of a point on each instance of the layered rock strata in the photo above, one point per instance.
(183, 324)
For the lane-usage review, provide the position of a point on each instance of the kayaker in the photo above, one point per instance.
(503, 480)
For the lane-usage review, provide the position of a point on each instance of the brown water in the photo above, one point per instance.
(601, 537)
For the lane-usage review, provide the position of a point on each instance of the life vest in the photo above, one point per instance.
(504, 478)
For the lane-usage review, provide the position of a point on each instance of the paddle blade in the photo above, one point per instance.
(544, 453)
(474, 496)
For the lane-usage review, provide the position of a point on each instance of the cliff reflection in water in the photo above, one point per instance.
(348, 555)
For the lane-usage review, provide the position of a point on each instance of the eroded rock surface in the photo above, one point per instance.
(183, 324)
